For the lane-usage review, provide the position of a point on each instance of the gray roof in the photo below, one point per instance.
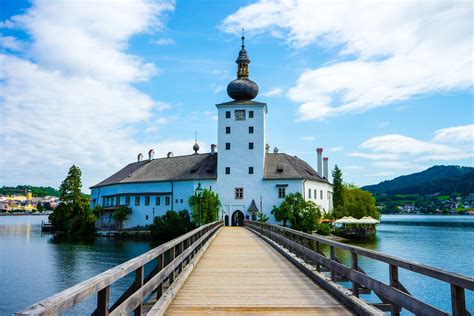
(278, 166)
(190, 167)
(282, 166)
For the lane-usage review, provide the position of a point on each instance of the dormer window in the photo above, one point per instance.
(239, 115)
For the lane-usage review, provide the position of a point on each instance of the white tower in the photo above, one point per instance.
(241, 143)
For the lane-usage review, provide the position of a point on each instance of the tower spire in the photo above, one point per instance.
(242, 88)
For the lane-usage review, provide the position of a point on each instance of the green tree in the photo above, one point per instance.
(205, 207)
(171, 225)
(337, 188)
(73, 214)
(356, 203)
(40, 208)
(70, 188)
(261, 217)
(120, 214)
(302, 215)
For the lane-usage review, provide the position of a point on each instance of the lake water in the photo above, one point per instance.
(32, 267)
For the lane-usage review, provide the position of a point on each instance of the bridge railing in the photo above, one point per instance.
(171, 258)
(394, 296)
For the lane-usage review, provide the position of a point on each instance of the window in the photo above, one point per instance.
(239, 115)
(227, 170)
(157, 200)
(227, 146)
(250, 145)
(227, 114)
(309, 193)
(117, 200)
(127, 200)
(167, 200)
(250, 129)
(250, 114)
(321, 194)
(137, 201)
(147, 200)
(329, 195)
(181, 201)
(176, 201)
(250, 170)
(315, 194)
(227, 129)
(146, 217)
(281, 193)
(239, 193)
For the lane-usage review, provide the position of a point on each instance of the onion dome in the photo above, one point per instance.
(242, 88)
(196, 147)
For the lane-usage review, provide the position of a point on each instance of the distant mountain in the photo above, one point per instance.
(444, 180)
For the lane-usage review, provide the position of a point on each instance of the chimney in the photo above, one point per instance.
(140, 157)
(275, 150)
(213, 149)
(170, 154)
(320, 161)
(151, 154)
(325, 167)
(267, 148)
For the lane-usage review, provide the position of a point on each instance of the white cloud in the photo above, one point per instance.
(382, 174)
(74, 101)
(308, 138)
(382, 125)
(336, 149)
(399, 165)
(388, 51)
(218, 87)
(274, 92)
(163, 41)
(456, 134)
(449, 144)
(352, 168)
(374, 156)
(11, 43)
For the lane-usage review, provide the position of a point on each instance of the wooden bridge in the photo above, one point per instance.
(256, 269)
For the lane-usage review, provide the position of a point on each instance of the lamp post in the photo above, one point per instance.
(198, 191)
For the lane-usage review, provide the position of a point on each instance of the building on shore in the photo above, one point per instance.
(244, 172)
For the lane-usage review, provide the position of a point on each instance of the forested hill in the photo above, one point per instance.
(36, 191)
(437, 179)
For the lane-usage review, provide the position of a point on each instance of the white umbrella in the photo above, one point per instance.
(368, 220)
(347, 220)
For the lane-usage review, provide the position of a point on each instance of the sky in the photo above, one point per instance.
(385, 87)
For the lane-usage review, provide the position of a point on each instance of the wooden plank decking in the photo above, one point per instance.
(241, 274)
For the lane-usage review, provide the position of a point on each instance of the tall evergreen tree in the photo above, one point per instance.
(70, 189)
(337, 188)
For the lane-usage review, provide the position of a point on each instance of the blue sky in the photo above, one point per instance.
(384, 88)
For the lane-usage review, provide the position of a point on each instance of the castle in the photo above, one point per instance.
(247, 176)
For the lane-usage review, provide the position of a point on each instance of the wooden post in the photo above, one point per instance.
(160, 263)
(318, 251)
(138, 285)
(172, 256)
(394, 283)
(333, 258)
(355, 264)
(103, 302)
(458, 301)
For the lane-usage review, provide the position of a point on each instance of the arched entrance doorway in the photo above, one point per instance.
(237, 218)
(226, 220)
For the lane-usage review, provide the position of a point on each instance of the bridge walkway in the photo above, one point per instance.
(240, 274)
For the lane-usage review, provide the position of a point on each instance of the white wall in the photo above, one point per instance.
(181, 191)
